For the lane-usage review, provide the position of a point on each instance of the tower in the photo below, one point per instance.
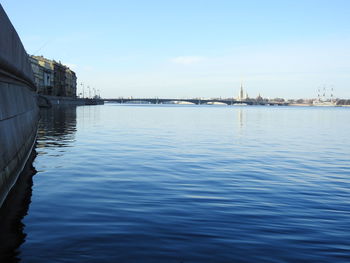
(241, 95)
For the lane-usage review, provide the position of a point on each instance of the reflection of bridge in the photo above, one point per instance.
(197, 101)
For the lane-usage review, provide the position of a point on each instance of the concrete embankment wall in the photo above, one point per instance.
(55, 100)
(65, 100)
(19, 112)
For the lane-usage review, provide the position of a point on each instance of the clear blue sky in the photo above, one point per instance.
(193, 48)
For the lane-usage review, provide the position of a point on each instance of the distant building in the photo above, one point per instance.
(259, 98)
(53, 78)
(43, 70)
(59, 79)
(71, 83)
(241, 96)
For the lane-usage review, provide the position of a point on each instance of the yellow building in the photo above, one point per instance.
(53, 78)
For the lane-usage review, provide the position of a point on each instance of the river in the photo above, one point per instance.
(185, 183)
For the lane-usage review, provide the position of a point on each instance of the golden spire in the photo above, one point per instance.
(241, 96)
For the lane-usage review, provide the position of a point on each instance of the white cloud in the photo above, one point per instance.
(187, 60)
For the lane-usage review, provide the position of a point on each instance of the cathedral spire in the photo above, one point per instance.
(241, 95)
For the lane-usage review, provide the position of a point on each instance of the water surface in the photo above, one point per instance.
(157, 183)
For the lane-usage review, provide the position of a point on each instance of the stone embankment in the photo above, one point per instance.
(47, 101)
(19, 112)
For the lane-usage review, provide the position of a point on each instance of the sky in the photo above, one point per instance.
(193, 48)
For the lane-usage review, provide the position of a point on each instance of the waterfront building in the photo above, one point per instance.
(59, 78)
(71, 83)
(53, 78)
(37, 74)
(43, 70)
(259, 98)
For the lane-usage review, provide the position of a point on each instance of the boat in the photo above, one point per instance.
(19, 112)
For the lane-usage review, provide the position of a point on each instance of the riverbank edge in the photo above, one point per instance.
(46, 101)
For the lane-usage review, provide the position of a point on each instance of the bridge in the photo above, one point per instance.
(197, 101)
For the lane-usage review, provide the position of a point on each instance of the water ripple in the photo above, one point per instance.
(190, 184)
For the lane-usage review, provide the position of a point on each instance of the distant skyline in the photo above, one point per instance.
(193, 48)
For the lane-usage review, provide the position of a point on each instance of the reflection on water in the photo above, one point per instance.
(240, 118)
(57, 127)
(14, 209)
(157, 183)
